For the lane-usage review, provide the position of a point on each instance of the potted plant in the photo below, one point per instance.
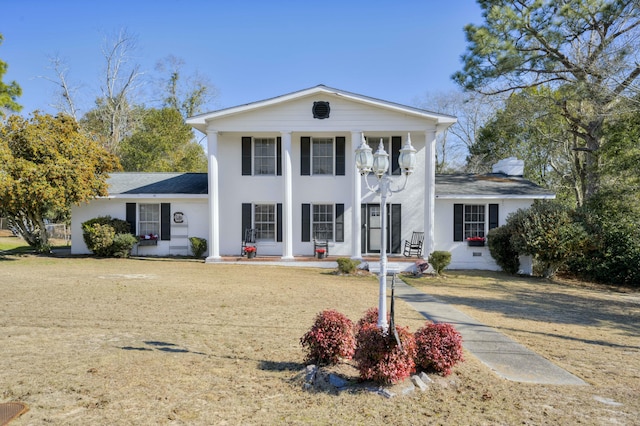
(320, 253)
(251, 251)
(476, 241)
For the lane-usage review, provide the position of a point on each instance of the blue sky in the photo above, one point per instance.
(250, 50)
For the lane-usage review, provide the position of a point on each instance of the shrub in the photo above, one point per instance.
(106, 236)
(548, 232)
(99, 238)
(501, 249)
(370, 317)
(347, 266)
(439, 347)
(329, 339)
(122, 245)
(439, 260)
(379, 358)
(198, 246)
(612, 254)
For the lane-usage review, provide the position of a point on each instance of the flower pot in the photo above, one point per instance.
(251, 254)
(320, 255)
(475, 243)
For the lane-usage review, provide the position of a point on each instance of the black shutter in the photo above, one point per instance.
(306, 222)
(396, 144)
(279, 156)
(131, 217)
(339, 223)
(165, 221)
(396, 228)
(340, 155)
(493, 216)
(279, 222)
(246, 217)
(458, 222)
(305, 156)
(246, 156)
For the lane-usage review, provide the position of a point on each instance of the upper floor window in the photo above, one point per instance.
(261, 156)
(264, 156)
(392, 147)
(322, 156)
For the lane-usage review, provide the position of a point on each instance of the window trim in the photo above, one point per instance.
(145, 222)
(271, 157)
(330, 160)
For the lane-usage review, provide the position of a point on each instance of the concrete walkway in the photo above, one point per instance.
(507, 358)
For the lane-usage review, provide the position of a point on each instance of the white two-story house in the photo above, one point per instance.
(286, 167)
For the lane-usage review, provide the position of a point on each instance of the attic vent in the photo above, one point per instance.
(321, 110)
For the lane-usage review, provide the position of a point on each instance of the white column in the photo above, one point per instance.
(429, 193)
(287, 205)
(356, 219)
(214, 192)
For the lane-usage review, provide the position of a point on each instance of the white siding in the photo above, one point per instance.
(195, 211)
(462, 256)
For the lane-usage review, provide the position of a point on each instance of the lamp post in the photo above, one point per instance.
(378, 164)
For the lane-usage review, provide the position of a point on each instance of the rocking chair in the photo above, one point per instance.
(414, 247)
(249, 239)
(321, 241)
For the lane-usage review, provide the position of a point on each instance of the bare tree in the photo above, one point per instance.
(472, 111)
(65, 93)
(121, 80)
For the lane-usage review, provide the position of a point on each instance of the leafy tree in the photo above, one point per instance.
(531, 127)
(621, 156)
(47, 164)
(584, 51)
(8, 92)
(163, 143)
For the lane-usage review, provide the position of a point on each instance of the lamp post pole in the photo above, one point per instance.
(378, 163)
(382, 301)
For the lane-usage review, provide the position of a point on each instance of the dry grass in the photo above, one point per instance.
(102, 341)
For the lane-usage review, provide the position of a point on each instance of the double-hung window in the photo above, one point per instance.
(323, 221)
(474, 220)
(322, 224)
(322, 156)
(264, 221)
(264, 156)
(149, 219)
(261, 156)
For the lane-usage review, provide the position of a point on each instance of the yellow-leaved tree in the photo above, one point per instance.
(46, 164)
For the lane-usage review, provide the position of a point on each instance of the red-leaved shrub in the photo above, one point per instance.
(439, 347)
(379, 358)
(329, 339)
(370, 317)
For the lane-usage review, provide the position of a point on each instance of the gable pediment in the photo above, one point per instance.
(298, 111)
